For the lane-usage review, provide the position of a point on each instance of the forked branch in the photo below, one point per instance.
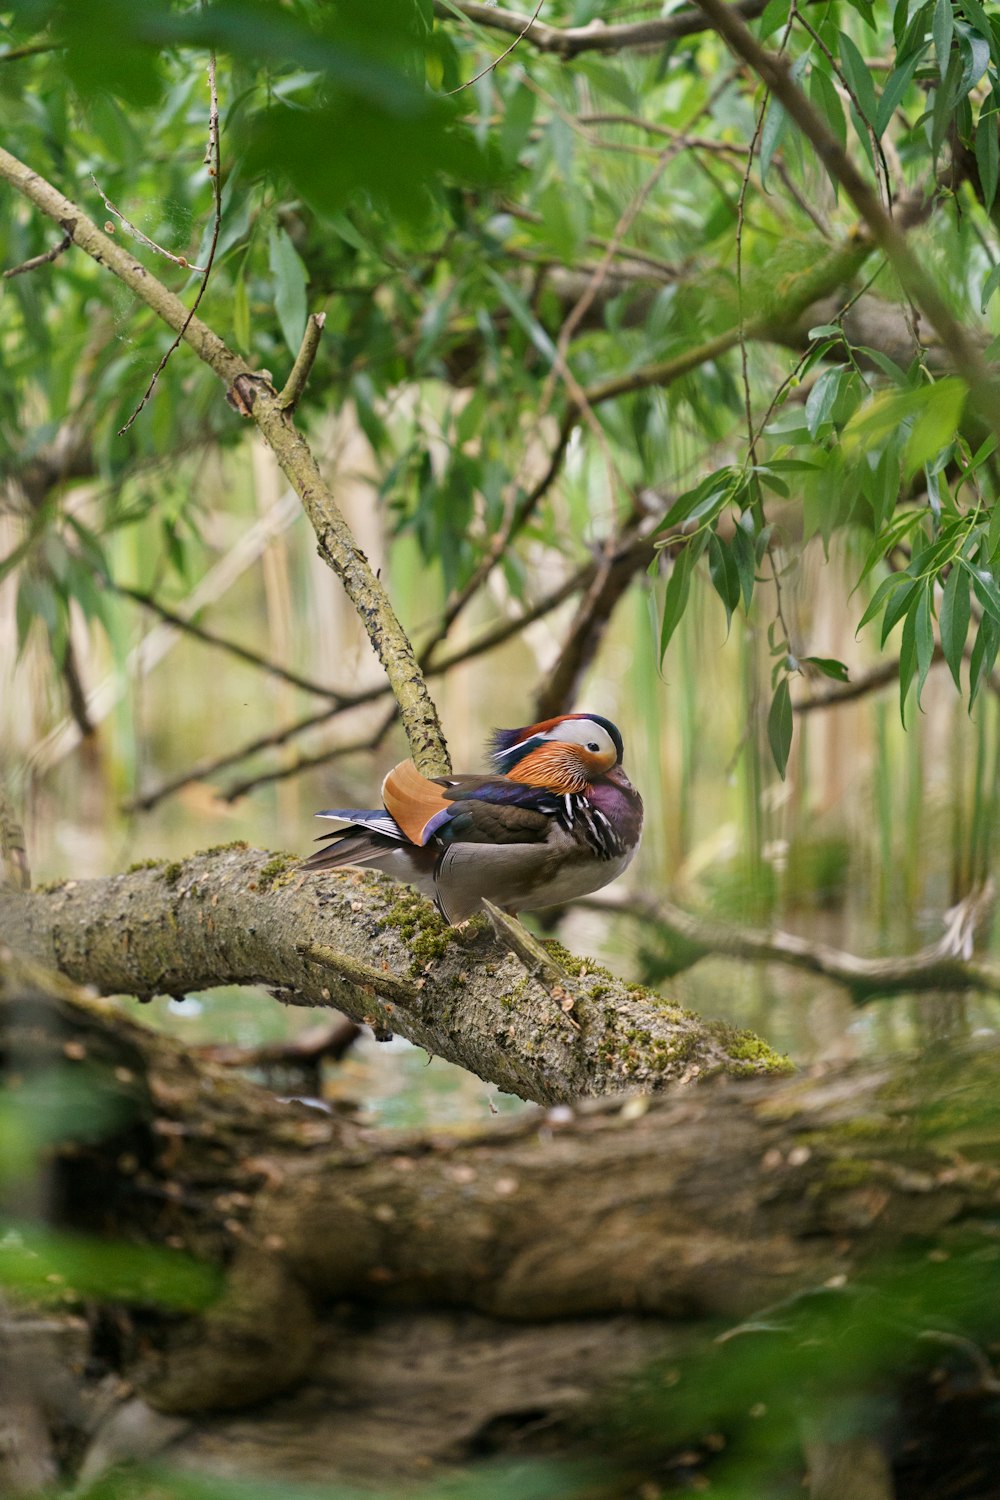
(947, 965)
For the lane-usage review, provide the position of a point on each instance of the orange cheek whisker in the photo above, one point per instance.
(554, 766)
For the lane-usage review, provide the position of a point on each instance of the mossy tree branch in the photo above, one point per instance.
(254, 396)
(380, 954)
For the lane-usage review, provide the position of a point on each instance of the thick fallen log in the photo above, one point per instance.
(472, 1294)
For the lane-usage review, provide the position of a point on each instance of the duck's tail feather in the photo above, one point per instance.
(369, 837)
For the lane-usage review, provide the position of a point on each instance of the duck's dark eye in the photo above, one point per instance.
(593, 746)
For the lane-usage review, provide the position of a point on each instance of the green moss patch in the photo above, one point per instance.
(280, 865)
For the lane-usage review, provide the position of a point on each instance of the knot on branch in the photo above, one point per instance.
(243, 393)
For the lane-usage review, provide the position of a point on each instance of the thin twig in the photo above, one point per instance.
(621, 229)
(872, 681)
(213, 162)
(498, 60)
(136, 233)
(740, 221)
(744, 366)
(873, 135)
(15, 54)
(296, 382)
(666, 268)
(41, 260)
(805, 207)
(308, 762)
(211, 766)
(689, 142)
(210, 638)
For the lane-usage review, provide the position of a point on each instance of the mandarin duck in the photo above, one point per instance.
(557, 818)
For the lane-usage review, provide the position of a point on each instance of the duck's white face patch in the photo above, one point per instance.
(591, 737)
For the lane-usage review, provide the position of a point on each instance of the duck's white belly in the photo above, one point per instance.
(518, 877)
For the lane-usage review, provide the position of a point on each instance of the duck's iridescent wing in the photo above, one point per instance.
(423, 813)
(466, 809)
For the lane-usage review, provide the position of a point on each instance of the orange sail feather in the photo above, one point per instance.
(414, 801)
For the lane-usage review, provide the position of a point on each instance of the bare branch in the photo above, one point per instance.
(213, 163)
(137, 234)
(570, 41)
(223, 643)
(302, 763)
(212, 765)
(299, 374)
(40, 260)
(651, 127)
(944, 965)
(877, 677)
(872, 681)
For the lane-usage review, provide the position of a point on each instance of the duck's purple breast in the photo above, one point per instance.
(616, 797)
